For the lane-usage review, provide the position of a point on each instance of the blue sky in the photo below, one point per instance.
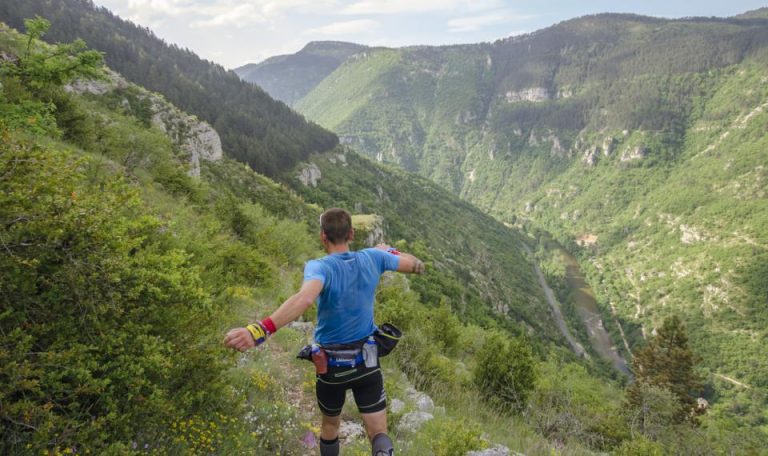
(236, 32)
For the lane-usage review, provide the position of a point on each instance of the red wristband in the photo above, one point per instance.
(269, 325)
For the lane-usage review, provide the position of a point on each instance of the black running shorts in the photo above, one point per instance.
(366, 383)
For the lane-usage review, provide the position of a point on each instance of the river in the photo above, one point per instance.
(586, 308)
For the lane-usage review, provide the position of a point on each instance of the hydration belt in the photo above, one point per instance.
(344, 358)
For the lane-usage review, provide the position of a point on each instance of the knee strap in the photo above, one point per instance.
(382, 445)
(329, 447)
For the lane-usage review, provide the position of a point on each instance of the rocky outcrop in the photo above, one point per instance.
(196, 139)
(532, 94)
(369, 228)
(309, 175)
(412, 421)
(634, 153)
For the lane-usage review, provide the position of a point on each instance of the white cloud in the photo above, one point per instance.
(474, 23)
(399, 6)
(238, 16)
(344, 28)
(215, 13)
(274, 7)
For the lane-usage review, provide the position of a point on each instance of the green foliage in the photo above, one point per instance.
(97, 310)
(254, 128)
(455, 437)
(505, 372)
(42, 67)
(116, 279)
(569, 405)
(666, 363)
(646, 133)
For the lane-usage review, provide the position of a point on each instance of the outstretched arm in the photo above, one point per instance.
(242, 339)
(408, 263)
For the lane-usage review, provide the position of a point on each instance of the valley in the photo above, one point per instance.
(589, 200)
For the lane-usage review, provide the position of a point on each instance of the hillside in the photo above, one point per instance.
(289, 78)
(254, 128)
(504, 288)
(131, 243)
(638, 142)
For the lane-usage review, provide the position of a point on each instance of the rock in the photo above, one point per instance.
(411, 422)
(338, 158)
(608, 144)
(496, 450)
(590, 156)
(193, 136)
(396, 406)
(309, 175)
(528, 207)
(637, 153)
(533, 94)
(349, 430)
(423, 402)
(112, 82)
(557, 148)
(532, 140)
(689, 235)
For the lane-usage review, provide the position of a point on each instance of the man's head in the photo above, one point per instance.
(336, 226)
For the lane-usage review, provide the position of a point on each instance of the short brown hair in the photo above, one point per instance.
(336, 224)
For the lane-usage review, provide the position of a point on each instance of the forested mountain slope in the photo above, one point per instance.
(638, 142)
(289, 77)
(131, 243)
(494, 275)
(254, 128)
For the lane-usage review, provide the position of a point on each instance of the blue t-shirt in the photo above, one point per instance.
(345, 306)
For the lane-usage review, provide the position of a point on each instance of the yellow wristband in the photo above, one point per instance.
(258, 332)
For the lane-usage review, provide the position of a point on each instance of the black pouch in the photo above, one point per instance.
(387, 338)
(305, 353)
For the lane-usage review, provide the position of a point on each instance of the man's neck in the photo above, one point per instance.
(337, 248)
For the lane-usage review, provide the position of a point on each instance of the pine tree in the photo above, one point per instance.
(667, 362)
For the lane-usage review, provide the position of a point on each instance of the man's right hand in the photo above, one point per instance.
(240, 339)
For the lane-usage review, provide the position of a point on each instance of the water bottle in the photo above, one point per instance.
(320, 358)
(370, 352)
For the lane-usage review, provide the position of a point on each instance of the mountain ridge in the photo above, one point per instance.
(587, 129)
(278, 75)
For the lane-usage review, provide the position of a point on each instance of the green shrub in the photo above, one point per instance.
(97, 310)
(454, 437)
(505, 372)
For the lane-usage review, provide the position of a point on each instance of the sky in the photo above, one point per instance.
(236, 32)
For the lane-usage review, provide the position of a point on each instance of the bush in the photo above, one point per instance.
(455, 437)
(505, 372)
(96, 312)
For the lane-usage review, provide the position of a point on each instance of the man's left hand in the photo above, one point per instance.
(240, 339)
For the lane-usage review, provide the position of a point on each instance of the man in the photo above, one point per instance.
(344, 284)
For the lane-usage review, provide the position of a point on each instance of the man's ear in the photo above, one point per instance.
(351, 236)
(323, 237)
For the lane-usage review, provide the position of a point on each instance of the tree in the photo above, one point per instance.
(505, 371)
(43, 66)
(667, 362)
